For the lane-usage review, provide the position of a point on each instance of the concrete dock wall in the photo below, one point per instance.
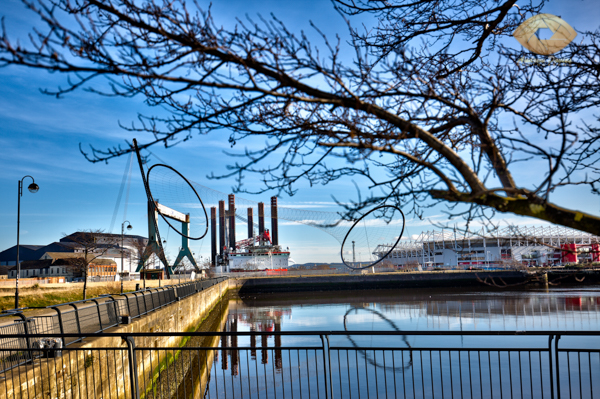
(377, 281)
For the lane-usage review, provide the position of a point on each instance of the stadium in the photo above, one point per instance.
(508, 247)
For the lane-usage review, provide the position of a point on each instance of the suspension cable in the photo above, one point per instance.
(118, 204)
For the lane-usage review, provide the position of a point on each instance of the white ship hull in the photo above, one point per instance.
(250, 262)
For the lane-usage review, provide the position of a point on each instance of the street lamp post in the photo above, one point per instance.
(122, 239)
(34, 189)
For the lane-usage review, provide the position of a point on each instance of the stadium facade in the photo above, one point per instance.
(511, 246)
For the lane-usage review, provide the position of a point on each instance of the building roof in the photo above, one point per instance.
(104, 262)
(68, 257)
(72, 236)
(26, 252)
(36, 264)
(5, 269)
(62, 255)
(31, 247)
(66, 244)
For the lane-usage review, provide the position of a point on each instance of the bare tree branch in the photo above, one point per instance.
(431, 109)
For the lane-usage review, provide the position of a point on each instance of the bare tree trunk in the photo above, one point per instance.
(85, 275)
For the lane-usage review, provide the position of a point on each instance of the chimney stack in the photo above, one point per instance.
(222, 242)
(274, 230)
(213, 236)
(232, 221)
(261, 218)
(250, 223)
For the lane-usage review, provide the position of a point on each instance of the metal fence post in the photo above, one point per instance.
(99, 314)
(60, 320)
(77, 320)
(26, 331)
(128, 306)
(118, 307)
(154, 307)
(137, 304)
(327, 368)
(113, 303)
(550, 338)
(557, 367)
(158, 297)
(143, 301)
(133, 376)
(117, 313)
(163, 297)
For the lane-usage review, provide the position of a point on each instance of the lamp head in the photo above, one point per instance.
(34, 188)
(129, 227)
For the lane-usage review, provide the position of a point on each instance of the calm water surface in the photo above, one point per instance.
(411, 365)
(423, 310)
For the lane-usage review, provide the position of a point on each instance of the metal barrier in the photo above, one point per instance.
(83, 318)
(187, 289)
(319, 364)
(13, 356)
(87, 316)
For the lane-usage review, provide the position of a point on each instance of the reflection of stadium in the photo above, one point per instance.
(484, 308)
(537, 246)
(264, 319)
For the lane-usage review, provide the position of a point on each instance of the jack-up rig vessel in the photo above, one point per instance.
(258, 252)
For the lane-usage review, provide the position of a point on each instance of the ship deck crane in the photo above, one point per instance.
(265, 236)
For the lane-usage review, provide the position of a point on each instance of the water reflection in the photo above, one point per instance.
(455, 310)
(401, 310)
(254, 320)
(367, 357)
(425, 365)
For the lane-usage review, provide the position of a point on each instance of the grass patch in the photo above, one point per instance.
(41, 296)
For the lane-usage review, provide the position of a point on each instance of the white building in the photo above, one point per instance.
(529, 246)
(110, 246)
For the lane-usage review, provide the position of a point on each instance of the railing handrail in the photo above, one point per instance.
(74, 302)
(328, 363)
(169, 296)
(317, 333)
(14, 312)
(73, 321)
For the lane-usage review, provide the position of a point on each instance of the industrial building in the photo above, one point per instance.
(511, 246)
(108, 244)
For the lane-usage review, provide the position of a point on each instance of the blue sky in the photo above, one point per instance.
(40, 135)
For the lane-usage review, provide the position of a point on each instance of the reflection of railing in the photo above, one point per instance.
(84, 317)
(318, 364)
